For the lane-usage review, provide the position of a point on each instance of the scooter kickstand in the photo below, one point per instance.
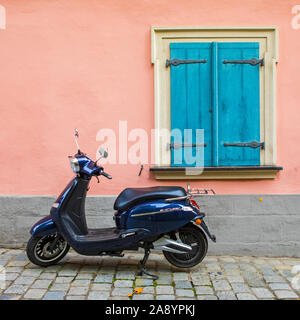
(142, 270)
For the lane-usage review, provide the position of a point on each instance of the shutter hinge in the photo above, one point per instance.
(175, 62)
(176, 145)
(252, 144)
(252, 62)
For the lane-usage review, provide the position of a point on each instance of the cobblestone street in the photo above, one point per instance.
(106, 278)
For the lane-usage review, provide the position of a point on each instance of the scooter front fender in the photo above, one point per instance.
(43, 227)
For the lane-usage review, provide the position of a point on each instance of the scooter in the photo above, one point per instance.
(161, 218)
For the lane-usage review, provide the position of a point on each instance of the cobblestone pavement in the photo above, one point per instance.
(104, 278)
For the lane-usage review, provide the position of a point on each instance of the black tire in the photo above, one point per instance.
(195, 237)
(37, 250)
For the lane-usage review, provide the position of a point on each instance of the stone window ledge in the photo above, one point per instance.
(240, 172)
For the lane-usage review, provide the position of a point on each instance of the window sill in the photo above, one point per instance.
(241, 172)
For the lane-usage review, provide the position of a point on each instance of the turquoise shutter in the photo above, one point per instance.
(238, 104)
(191, 101)
(222, 99)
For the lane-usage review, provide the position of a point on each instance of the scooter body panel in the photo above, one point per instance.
(158, 216)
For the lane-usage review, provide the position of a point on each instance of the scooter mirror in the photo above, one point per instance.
(76, 136)
(103, 153)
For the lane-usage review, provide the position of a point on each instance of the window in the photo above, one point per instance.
(225, 84)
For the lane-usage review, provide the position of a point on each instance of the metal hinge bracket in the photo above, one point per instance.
(252, 62)
(177, 145)
(252, 144)
(175, 62)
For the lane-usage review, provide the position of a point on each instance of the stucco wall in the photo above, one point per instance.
(86, 64)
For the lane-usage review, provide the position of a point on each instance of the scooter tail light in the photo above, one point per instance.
(194, 203)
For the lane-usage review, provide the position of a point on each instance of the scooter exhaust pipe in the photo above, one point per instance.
(171, 246)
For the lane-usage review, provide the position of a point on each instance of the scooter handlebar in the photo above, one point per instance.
(99, 171)
(106, 175)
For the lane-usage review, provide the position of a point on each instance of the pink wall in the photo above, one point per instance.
(62, 60)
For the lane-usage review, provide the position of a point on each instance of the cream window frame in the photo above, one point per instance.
(267, 37)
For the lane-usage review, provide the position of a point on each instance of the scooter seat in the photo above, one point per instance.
(132, 196)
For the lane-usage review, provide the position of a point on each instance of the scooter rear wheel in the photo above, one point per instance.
(194, 237)
(39, 252)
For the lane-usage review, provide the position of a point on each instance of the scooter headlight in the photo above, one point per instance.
(74, 165)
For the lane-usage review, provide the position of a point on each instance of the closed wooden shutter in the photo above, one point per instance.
(221, 98)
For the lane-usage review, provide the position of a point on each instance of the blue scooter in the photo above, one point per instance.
(161, 218)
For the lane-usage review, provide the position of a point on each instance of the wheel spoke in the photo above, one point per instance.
(189, 239)
(43, 252)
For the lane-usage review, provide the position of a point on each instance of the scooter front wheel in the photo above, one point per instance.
(194, 237)
(40, 252)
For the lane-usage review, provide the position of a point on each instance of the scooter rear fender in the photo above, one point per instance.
(43, 227)
(204, 227)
